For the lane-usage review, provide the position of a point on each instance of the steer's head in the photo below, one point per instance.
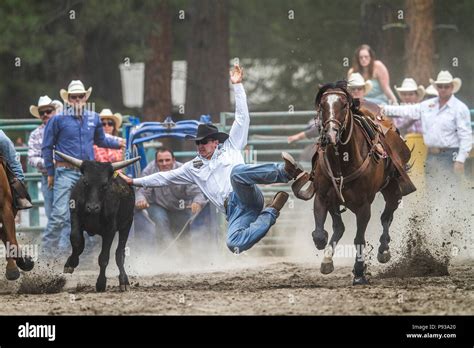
(96, 178)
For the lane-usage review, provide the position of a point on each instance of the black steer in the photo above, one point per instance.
(101, 204)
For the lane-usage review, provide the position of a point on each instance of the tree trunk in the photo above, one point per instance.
(207, 85)
(419, 41)
(158, 66)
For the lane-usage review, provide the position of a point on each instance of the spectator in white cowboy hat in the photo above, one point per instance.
(446, 124)
(111, 123)
(45, 109)
(431, 91)
(73, 132)
(409, 93)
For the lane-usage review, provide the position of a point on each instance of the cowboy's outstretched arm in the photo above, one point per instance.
(178, 176)
(240, 128)
(412, 111)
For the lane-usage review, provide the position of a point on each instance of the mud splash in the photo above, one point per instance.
(419, 258)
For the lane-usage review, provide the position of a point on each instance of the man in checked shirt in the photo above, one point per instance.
(219, 171)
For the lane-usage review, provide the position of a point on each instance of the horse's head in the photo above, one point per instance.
(333, 104)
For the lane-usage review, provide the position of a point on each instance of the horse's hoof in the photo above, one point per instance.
(100, 287)
(68, 269)
(12, 274)
(124, 287)
(360, 281)
(25, 263)
(384, 257)
(319, 242)
(327, 267)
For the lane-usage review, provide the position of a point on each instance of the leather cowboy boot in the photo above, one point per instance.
(278, 201)
(21, 198)
(292, 168)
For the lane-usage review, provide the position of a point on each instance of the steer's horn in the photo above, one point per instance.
(72, 160)
(122, 164)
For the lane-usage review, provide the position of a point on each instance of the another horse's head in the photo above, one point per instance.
(333, 104)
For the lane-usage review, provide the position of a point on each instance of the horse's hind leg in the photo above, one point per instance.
(363, 217)
(9, 239)
(320, 236)
(392, 196)
(327, 265)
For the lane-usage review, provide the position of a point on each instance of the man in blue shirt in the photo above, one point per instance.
(73, 132)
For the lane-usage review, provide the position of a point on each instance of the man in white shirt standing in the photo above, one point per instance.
(230, 184)
(446, 124)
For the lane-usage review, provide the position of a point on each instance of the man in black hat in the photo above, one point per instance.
(230, 184)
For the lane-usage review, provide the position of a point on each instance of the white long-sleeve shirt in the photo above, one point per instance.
(448, 127)
(211, 176)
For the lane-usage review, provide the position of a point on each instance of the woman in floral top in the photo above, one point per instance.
(111, 123)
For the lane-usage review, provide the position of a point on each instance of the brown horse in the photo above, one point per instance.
(348, 170)
(14, 257)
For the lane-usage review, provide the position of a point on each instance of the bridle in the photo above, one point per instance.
(341, 125)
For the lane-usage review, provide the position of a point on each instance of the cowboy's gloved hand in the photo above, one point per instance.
(142, 204)
(127, 179)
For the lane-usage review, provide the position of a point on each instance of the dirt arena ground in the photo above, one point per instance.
(276, 288)
(431, 273)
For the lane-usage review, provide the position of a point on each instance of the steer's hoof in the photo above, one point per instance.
(360, 281)
(384, 257)
(12, 274)
(124, 287)
(68, 269)
(25, 263)
(327, 267)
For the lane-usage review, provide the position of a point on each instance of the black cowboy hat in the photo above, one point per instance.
(206, 130)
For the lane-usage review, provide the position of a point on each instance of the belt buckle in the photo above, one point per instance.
(435, 150)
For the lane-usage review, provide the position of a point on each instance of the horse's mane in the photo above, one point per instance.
(342, 85)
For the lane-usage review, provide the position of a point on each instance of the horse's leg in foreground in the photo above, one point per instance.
(120, 256)
(363, 217)
(107, 239)
(327, 265)
(9, 239)
(392, 196)
(77, 244)
(320, 236)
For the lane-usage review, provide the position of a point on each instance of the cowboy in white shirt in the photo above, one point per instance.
(219, 171)
(446, 124)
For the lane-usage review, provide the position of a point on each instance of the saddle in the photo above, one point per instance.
(382, 136)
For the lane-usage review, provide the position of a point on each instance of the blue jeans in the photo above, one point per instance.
(54, 238)
(47, 196)
(167, 223)
(7, 149)
(248, 221)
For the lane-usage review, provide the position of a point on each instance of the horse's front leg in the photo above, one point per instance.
(320, 236)
(327, 265)
(363, 217)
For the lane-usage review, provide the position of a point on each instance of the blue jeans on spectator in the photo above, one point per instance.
(248, 221)
(7, 150)
(47, 196)
(167, 223)
(53, 242)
